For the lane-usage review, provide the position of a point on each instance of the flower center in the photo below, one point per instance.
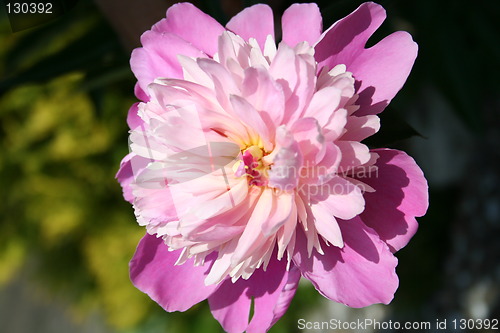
(251, 164)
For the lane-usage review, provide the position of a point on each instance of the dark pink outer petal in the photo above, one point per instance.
(192, 25)
(256, 22)
(381, 70)
(139, 93)
(133, 119)
(362, 273)
(272, 291)
(401, 193)
(301, 22)
(130, 166)
(158, 58)
(174, 288)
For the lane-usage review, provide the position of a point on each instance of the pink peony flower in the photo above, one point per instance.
(247, 167)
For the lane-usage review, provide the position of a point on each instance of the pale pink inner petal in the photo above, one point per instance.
(359, 128)
(285, 172)
(327, 225)
(323, 104)
(311, 141)
(265, 94)
(296, 75)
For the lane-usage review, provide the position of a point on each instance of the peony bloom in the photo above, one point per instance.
(247, 166)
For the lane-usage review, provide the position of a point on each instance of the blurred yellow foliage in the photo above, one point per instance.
(11, 258)
(60, 202)
(108, 257)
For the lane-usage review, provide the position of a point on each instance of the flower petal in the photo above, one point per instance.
(323, 104)
(264, 94)
(362, 273)
(324, 169)
(327, 225)
(158, 57)
(251, 117)
(359, 128)
(282, 207)
(224, 83)
(231, 222)
(339, 196)
(192, 25)
(311, 141)
(130, 167)
(271, 290)
(155, 205)
(133, 119)
(252, 237)
(253, 22)
(298, 81)
(271, 306)
(139, 93)
(301, 22)
(381, 70)
(336, 125)
(287, 161)
(174, 288)
(346, 38)
(401, 193)
(354, 154)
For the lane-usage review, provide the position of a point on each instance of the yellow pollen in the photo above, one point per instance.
(255, 151)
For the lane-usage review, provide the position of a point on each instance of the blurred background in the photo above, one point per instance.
(66, 234)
